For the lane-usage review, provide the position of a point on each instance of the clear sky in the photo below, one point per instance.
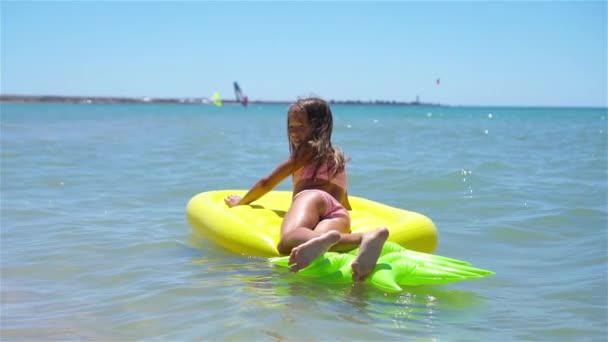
(485, 53)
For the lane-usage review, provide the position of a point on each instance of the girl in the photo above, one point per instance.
(317, 220)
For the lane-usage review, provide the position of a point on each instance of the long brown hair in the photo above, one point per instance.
(319, 142)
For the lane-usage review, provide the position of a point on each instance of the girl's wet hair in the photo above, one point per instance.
(321, 121)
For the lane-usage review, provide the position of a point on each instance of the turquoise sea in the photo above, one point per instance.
(95, 244)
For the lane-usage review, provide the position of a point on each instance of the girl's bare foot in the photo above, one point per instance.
(369, 252)
(304, 254)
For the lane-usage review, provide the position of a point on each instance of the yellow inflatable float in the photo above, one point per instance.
(254, 229)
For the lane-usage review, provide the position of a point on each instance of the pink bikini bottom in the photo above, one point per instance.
(333, 208)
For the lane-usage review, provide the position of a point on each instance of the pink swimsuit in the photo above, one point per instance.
(333, 207)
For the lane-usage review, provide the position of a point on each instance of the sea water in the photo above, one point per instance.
(95, 244)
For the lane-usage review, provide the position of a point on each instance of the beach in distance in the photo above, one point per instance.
(183, 100)
(95, 243)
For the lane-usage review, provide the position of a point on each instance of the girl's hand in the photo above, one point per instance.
(232, 200)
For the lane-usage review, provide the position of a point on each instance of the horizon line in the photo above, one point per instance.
(104, 99)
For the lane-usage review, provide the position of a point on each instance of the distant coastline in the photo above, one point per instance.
(193, 101)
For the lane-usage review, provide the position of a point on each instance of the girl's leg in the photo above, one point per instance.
(300, 221)
(304, 254)
(329, 234)
(371, 246)
(348, 241)
(305, 237)
(299, 236)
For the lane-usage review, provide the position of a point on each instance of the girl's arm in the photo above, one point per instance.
(264, 185)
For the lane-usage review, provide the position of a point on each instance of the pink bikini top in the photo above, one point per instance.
(307, 172)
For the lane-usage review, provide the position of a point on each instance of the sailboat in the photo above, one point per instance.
(238, 93)
(217, 99)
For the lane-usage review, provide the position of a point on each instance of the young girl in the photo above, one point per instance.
(317, 220)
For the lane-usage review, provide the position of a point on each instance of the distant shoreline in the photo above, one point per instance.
(193, 101)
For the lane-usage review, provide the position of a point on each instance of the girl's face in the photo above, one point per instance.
(298, 126)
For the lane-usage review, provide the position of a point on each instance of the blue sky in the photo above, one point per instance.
(485, 53)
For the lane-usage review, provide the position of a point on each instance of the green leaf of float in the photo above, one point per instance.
(329, 263)
(383, 277)
(279, 261)
(395, 267)
(433, 258)
(391, 247)
(330, 267)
